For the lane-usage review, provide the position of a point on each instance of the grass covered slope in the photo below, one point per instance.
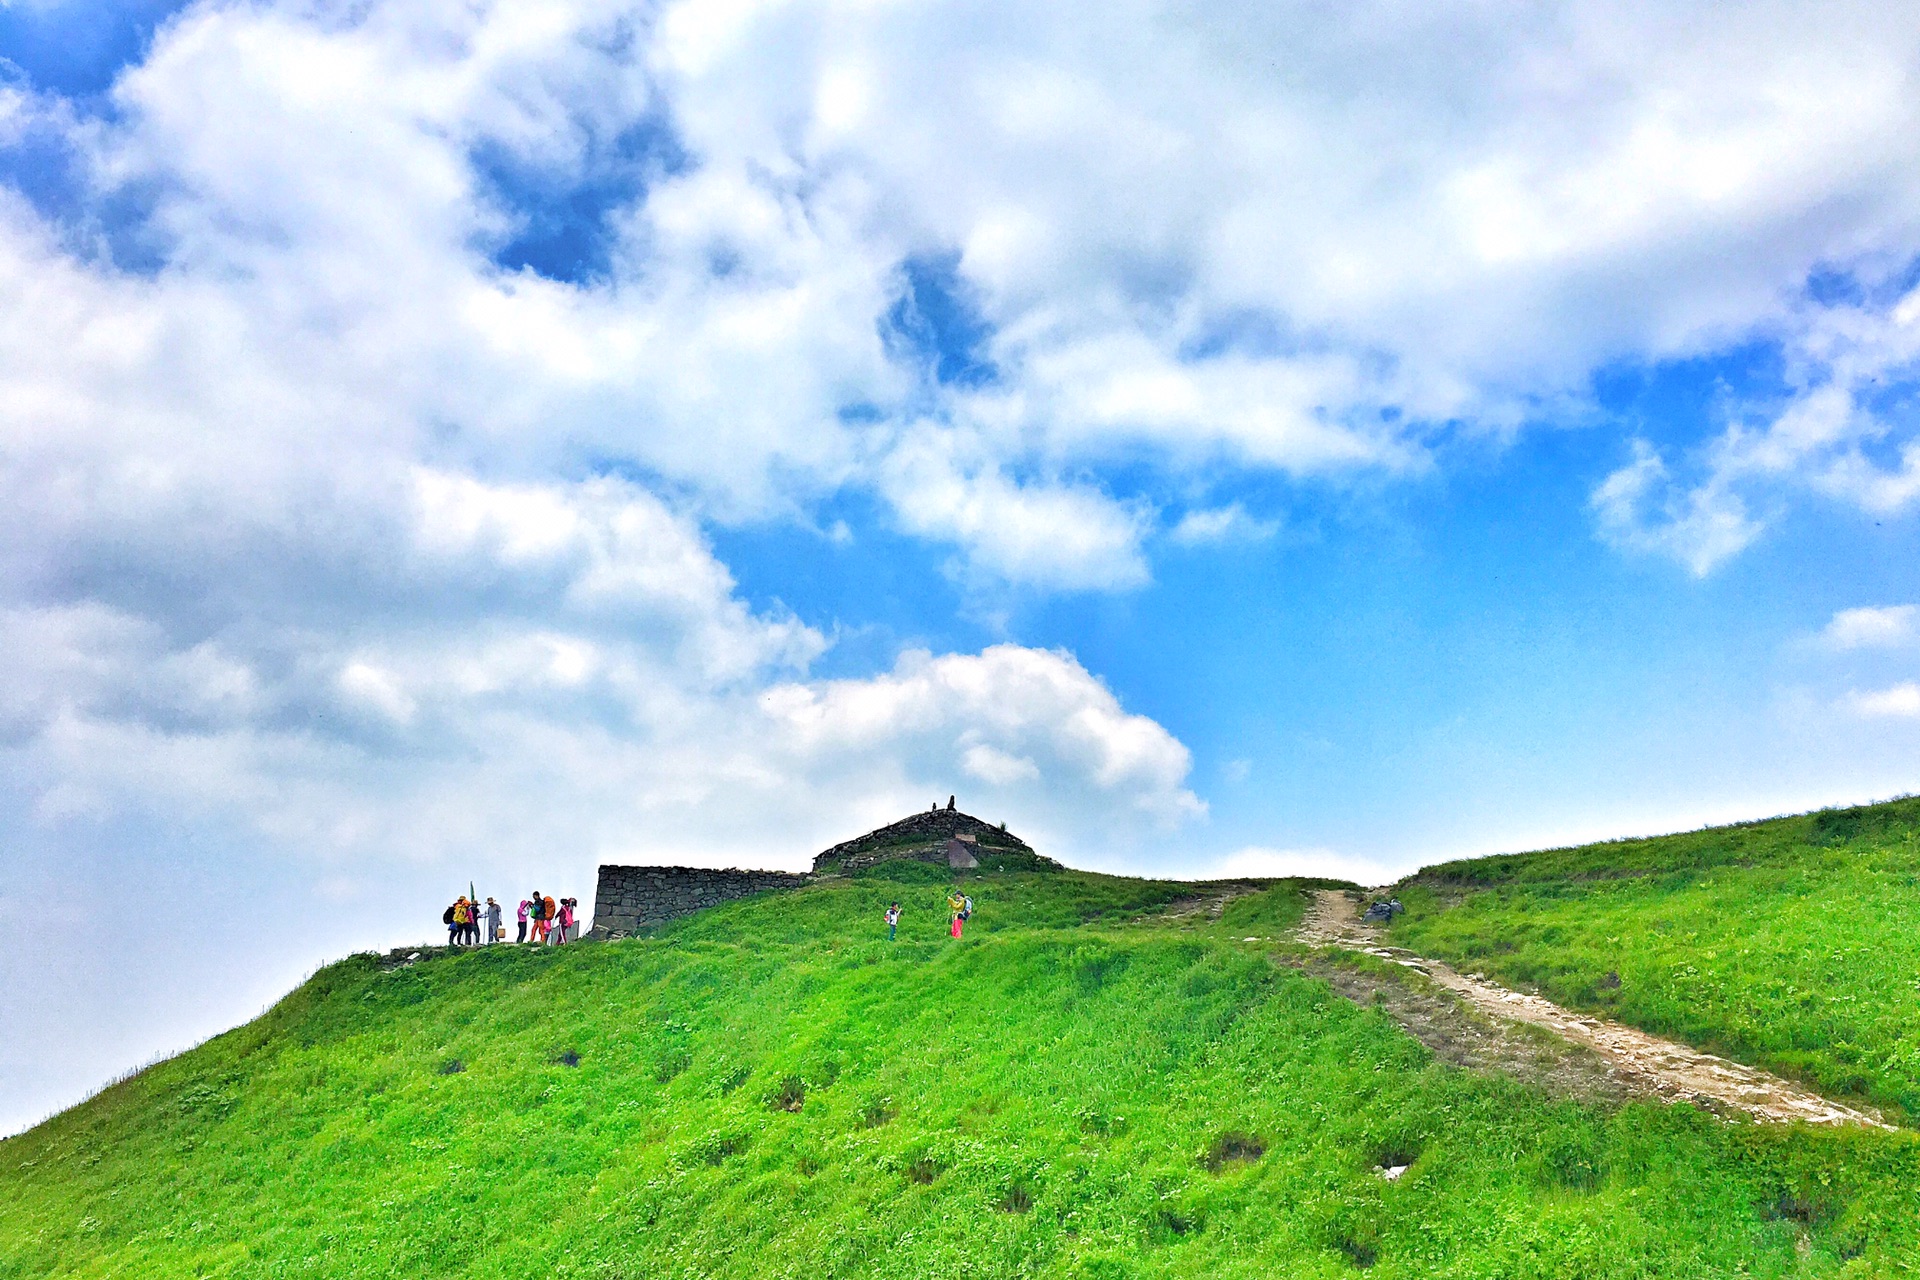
(1078, 1088)
(1792, 944)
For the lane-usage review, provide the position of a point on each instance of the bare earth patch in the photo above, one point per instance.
(1616, 1060)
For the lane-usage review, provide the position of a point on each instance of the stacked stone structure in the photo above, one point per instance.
(923, 837)
(632, 898)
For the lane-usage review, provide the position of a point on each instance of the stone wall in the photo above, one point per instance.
(632, 898)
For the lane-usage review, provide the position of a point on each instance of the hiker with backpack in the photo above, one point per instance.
(549, 914)
(539, 918)
(453, 928)
(893, 920)
(954, 905)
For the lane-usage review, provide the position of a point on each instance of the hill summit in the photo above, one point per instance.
(927, 837)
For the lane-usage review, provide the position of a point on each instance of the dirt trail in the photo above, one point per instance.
(1662, 1067)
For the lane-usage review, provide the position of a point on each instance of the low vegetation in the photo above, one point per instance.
(1094, 1082)
(1793, 944)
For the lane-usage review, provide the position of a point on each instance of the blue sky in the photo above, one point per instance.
(448, 442)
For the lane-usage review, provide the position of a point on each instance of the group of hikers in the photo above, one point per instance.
(553, 921)
(959, 907)
(470, 921)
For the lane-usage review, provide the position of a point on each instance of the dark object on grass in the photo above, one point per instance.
(1611, 982)
(1232, 1147)
(568, 1059)
(1362, 1256)
(1178, 1224)
(790, 1096)
(716, 1149)
(1805, 1210)
(452, 1067)
(1384, 910)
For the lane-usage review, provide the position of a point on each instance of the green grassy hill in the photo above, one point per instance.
(1793, 944)
(1083, 1086)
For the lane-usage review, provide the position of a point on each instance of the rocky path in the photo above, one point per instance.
(1662, 1067)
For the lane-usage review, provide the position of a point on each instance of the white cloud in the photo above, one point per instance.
(998, 767)
(379, 690)
(1196, 239)
(1032, 722)
(1902, 700)
(562, 666)
(1258, 861)
(1828, 440)
(1230, 523)
(1060, 536)
(1886, 627)
(1638, 508)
